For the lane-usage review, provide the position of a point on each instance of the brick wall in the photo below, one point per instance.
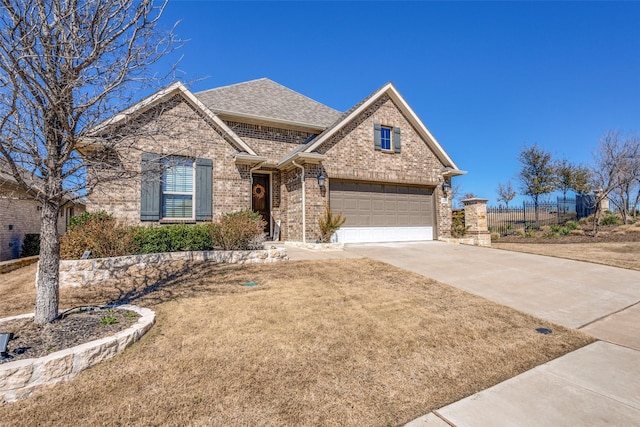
(20, 215)
(174, 128)
(271, 142)
(351, 155)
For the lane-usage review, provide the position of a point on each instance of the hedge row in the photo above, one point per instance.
(103, 236)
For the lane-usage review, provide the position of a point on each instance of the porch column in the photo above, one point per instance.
(475, 218)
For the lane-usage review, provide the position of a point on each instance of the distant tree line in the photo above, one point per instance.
(613, 175)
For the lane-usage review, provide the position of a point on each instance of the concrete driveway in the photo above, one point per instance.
(598, 385)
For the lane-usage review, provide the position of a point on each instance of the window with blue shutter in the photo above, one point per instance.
(176, 188)
(386, 138)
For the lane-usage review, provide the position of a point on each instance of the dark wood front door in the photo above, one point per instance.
(261, 199)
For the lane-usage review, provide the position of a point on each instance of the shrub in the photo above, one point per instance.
(610, 218)
(99, 233)
(565, 231)
(85, 217)
(329, 224)
(571, 225)
(458, 228)
(172, 238)
(242, 230)
(30, 245)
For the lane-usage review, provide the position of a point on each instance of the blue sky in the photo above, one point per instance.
(486, 78)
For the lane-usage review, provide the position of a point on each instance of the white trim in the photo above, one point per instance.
(382, 234)
(309, 158)
(404, 107)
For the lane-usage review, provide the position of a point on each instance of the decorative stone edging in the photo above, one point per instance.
(75, 273)
(20, 378)
(317, 246)
(14, 264)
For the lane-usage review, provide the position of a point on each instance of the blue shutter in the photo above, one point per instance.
(204, 191)
(150, 188)
(377, 136)
(396, 140)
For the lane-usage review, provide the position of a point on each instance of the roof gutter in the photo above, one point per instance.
(449, 171)
(309, 158)
(249, 159)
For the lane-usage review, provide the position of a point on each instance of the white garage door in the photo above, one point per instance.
(382, 212)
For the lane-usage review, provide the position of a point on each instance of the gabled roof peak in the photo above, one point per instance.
(264, 99)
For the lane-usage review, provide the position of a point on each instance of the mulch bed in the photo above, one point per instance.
(76, 327)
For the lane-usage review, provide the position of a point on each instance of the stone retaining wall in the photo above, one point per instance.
(75, 273)
(20, 378)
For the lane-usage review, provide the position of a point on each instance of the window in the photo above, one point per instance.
(177, 188)
(385, 138)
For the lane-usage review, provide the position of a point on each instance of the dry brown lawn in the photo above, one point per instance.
(332, 343)
(618, 254)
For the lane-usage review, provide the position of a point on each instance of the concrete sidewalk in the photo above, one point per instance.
(598, 385)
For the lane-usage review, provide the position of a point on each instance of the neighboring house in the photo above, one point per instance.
(20, 215)
(262, 146)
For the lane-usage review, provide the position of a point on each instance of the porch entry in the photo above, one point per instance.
(261, 198)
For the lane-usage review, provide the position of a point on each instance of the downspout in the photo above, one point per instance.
(258, 166)
(304, 210)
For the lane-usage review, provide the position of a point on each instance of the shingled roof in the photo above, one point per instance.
(268, 100)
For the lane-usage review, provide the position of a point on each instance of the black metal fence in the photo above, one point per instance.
(525, 217)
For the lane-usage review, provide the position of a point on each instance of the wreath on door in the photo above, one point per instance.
(258, 191)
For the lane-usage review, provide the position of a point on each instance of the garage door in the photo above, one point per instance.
(382, 212)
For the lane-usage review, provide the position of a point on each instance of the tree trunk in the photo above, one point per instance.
(48, 267)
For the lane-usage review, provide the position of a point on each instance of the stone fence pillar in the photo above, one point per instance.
(475, 218)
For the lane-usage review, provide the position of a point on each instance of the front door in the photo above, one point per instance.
(261, 199)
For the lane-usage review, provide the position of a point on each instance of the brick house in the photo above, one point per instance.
(20, 215)
(262, 146)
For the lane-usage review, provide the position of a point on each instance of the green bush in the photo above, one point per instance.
(99, 233)
(610, 218)
(242, 230)
(172, 238)
(30, 245)
(571, 225)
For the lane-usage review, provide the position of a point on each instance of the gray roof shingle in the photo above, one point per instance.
(266, 99)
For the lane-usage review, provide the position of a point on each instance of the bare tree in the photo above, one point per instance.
(65, 66)
(537, 174)
(616, 172)
(506, 193)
